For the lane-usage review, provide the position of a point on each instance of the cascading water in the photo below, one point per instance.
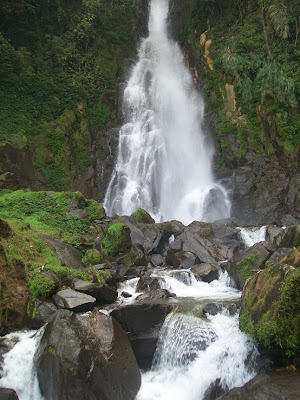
(251, 236)
(164, 160)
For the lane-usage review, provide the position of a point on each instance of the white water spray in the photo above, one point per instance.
(164, 160)
(251, 236)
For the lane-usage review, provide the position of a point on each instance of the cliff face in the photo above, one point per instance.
(61, 64)
(245, 57)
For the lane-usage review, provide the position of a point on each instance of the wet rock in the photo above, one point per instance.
(147, 283)
(212, 308)
(182, 259)
(102, 293)
(214, 391)
(75, 301)
(126, 295)
(155, 295)
(205, 272)
(5, 229)
(142, 322)
(86, 357)
(41, 313)
(8, 394)
(157, 260)
(289, 220)
(245, 262)
(67, 254)
(233, 308)
(275, 385)
(140, 257)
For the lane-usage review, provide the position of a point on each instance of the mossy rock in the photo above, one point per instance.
(270, 309)
(117, 240)
(142, 216)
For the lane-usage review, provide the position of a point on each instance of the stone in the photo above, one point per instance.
(290, 237)
(245, 262)
(142, 322)
(126, 295)
(102, 293)
(8, 394)
(147, 283)
(5, 229)
(155, 295)
(157, 260)
(44, 311)
(67, 254)
(75, 301)
(275, 385)
(142, 216)
(205, 272)
(78, 213)
(212, 308)
(86, 357)
(9, 180)
(182, 259)
(279, 256)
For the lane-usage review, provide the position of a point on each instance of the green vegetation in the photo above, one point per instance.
(142, 216)
(270, 312)
(117, 240)
(255, 48)
(60, 62)
(244, 268)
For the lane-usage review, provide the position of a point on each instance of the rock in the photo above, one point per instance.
(75, 301)
(270, 309)
(78, 213)
(67, 254)
(86, 357)
(155, 295)
(214, 391)
(279, 256)
(232, 308)
(142, 322)
(212, 308)
(147, 283)
(142, 216)
(157, 260)
(271, 232)
(41, 313)
(244, 262)
(101, 266)
(8, 394)
(275, 385)
(210, 242)
(126, 295)
(289, 220)
(182, 259)
(290, 237)
(9, 180)
(5, 229)
(102, 293)
(205, 272)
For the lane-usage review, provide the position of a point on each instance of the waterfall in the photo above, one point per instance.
(164, 159)
(251, 236)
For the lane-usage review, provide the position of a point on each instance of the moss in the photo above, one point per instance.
(274, 317)
(117, 240)
(244, 268)
(52, 351)
(142, 216)
(32, 310)
(95, 209)
(92, 257)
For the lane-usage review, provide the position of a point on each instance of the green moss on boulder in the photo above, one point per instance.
(117, 240)
(142, 216)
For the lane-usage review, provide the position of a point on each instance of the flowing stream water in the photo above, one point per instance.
(164, 158)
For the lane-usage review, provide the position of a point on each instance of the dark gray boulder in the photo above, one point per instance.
(8, 394)
(275, 385)
(290, 237)
(205, 272)
(44, 310)
(212, 308)
(75, 301)
(67, 254)
(103, 293)
(142, 322)
(147, 283)
(155, 295)
(86, 357)
(157, 260)
(182, 259)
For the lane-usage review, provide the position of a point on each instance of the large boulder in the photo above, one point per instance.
(182, 259)
(245, 262)
(67, 254)
(205, 272)
(75, 301)
(142, 322)
(275, 385)
(86, 357)
(41, 312)
(290, 237)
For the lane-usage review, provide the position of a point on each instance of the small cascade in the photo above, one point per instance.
(250, 236)
(184, 284)
(194, 356)
(18, 371)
